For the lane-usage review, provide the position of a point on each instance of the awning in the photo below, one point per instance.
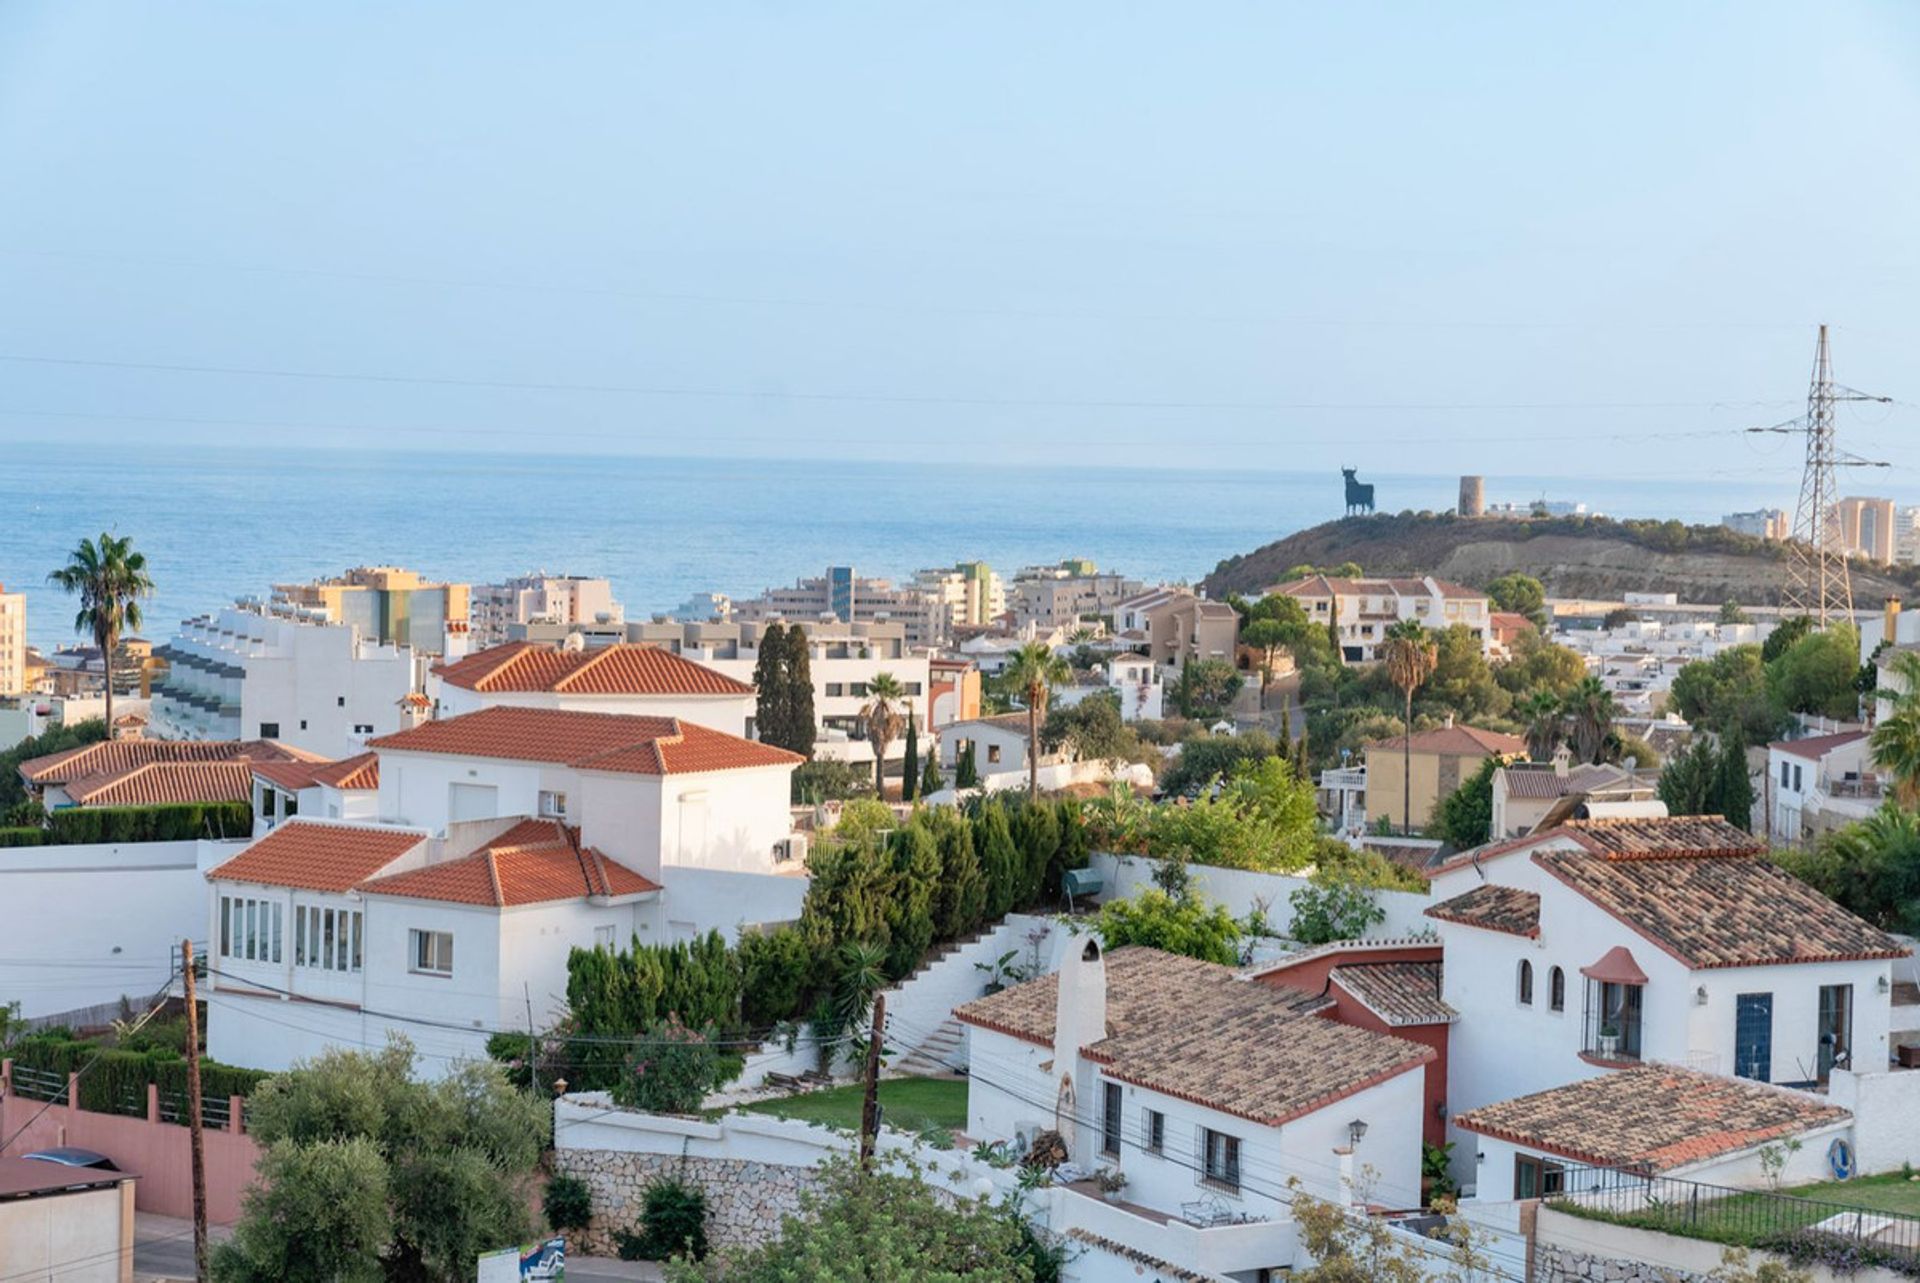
(1616, 967)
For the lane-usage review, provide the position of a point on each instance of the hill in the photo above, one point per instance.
(1593, 557)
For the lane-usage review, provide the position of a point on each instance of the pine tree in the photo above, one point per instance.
(1689, 784)
(770, 687)
(910, 764)
(797, 671)
(1303, 759)
(1732, 785)
(930, 781)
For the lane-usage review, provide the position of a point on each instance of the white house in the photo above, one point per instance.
(1599, 945)
(345, 790)
(1819, 783)
(605, 679)
(1201, 1088)
(332, 934)
(1135, 680)
(321, 686)
(999, 744)
(1361, 610)
(1525, 792)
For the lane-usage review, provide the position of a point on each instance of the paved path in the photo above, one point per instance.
(163, 1252)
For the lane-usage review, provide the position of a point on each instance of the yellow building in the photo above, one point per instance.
(13, 642)
(1439, 761)
(388, 604)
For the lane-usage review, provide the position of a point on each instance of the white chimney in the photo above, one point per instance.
(1079, 1020)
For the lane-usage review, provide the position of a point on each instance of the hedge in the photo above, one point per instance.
(22, 837)
(117, 1083)
(74, 825)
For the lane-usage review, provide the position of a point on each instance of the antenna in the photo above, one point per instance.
(1818, 584)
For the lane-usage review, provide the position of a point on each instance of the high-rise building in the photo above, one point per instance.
(1867, 528)
(841, 594)
(1068, 593)
(540, 598)
(969, 593)
(387, 604)
(1761, 523)
(13, 642)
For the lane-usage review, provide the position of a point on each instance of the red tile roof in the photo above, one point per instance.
(1493, 908)
(312, 856)
(1455, 741)
(166, 784)
(1668, 837)
(1400, 993)
(1815, 747)
(534, 862)
(361, 771)
(1653, 1119)
(588, 741)
(619, 669)
(114, 756)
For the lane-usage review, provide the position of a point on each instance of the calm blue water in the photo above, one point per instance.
(216, 524)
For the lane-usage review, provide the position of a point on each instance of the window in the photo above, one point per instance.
(1220, 1160)
(269, 730)
(1796, 779)
(1110, 1120)
(363, 728)
(303, 723)
(433, 952)
(1786, 774)
(836, 689)
(553, 804)
(603, 938)
(250, 929)
(1155, 1132)
(289, 805)
(1836, 1028)
(1526, 983)
(340, 701)
(327, 939)
(1557, 989)
(993, 753)
(1537, 1177)
(859, 689)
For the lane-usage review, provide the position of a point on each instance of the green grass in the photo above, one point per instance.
(906, 1104)
(1890, 1193)
(1741, 1219)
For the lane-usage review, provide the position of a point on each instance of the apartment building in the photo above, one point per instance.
(1867, 528)
(969, 594)
(387, 604)
(1067, 595)
(13, 642)
(1177, 626)
(1761, 523)
(842, 595)
(540, 598)
(1362, 610)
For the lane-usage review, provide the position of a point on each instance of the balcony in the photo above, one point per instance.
(1610, 1031)
(1229, 1247)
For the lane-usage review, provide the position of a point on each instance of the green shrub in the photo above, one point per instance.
(74, 825)
(1183, 925)
(671, 1068)
(568, 1203)
(22, 837)
(777, 973)
(673, 1222)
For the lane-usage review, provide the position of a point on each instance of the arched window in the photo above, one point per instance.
(1526, 983)
(1557, 989)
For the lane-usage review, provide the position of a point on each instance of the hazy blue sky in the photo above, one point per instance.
(1462, 237)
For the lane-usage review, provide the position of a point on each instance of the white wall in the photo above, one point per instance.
(1242, 890)
(90, 924)
(1886, 1117)
(65, 1238)
(416, 788)
(921, 1004)
(696, 901)
(727, 713)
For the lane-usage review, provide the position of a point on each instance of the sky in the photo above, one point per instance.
(1501, 238)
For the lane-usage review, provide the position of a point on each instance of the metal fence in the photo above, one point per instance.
(215, 1111)
(39, 1084)
(1744, 1217)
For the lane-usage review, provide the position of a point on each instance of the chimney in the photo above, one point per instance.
(1079, 1020)
(1449, 721)
(1891, 635)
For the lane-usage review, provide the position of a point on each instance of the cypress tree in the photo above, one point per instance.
(798, 703)
(999, 859)
(910, 765)
(770, 687)
(930, 781)
(966, 774)
(1733, 787)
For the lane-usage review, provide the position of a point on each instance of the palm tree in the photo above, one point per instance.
(1896, 740)
(1034, 670)
(1546, 723)
(882, 720)
(1590, 705)
(1410, 655)
(110, 578)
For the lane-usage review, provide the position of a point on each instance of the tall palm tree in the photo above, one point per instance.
(1034, 670)
(1410, 654)
(110, 578)
(1591, 707)
(1896, 740)
(1546, 723)
(882, 719)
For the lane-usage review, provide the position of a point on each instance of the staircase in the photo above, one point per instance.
(943, 1054)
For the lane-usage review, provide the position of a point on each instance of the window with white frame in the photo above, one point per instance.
(327, 939)
(603, 938)
(1153, 1130)
(1219, 1160)
(432, 952)
(553, 805)
(250, 928)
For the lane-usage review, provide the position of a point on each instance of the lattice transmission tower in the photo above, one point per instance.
(1818, 584)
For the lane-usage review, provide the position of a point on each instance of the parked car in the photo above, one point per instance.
(72, 1156)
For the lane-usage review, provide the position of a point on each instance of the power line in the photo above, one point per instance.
(158, 1001)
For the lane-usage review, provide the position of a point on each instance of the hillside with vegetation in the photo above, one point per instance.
(1594, 557)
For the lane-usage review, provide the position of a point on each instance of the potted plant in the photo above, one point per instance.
(1609, 1039)
(1002, 971)
(1110, 1181)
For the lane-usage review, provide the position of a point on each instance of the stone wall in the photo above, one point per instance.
(746, 1201)
(1563, 1265)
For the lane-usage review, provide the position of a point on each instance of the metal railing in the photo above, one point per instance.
(1742, 1217)
(39, 1084)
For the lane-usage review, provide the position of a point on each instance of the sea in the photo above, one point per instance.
(220, 523)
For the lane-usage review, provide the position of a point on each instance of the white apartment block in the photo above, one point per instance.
(843, 596)
(540, 598)
(242, 675)
(13, 642)
(1070, 594)
(969, 594)
(1364, 609)
(1762, 523)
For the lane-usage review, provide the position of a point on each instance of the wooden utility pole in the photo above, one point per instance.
(870, 1110)
(194, 1121)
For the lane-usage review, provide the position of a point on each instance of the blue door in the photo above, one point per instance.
(1753, 1036)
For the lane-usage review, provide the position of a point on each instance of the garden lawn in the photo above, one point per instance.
(1742, 1219)
(1889, 1193)
(906, 1104)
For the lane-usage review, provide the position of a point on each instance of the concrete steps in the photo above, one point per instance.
(943, 1053)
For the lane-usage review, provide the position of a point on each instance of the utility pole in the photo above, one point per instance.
(194, 1121)
(870, 1109)
(533, 1039)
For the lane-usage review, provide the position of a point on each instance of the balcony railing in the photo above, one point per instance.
(1613, 1037)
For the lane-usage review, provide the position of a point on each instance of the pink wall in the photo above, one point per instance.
(158, 1153)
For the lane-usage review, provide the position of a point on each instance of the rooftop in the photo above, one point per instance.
(1654, 1118)
(1815, 747)
(1455, 741)
(312, 856)
(617, 669)
(1492, 908)
(1198, 1032)
(361, 771)
(1400, 993)
(35, 1178)
(115, 756)
(533, 862)
(166, 784)
(587, 741)
(1537, 780)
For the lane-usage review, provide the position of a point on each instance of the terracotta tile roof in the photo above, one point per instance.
(1815, 747)
(1455, 741)
(534, 862)
(351, 773)
(1001, 721)
(313, 856)
(166, 784)
(114, 756)
(1493, 908)
(1196, 1031)
(1673, 837)
(587, 741)
(1653, 1118)
(1541, 782)
(1400, 993)
(1715, 910)
(618, 669)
